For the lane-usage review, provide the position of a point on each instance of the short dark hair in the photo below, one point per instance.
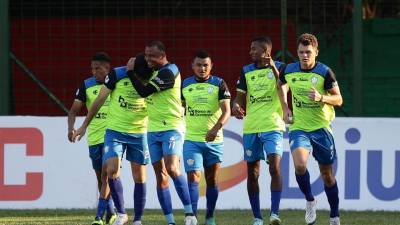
(141, 67)
(264, 40)
(158, 44)
(101, 57)
(308, 39)
(202, 54)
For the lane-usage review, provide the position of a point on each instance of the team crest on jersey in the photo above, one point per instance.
(210, 90)
(270, 75)
(190, 162)
(314, 80)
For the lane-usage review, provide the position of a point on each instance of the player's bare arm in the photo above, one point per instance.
(224, 104)
(73, 112)
(334, 98)
(238, 108)
(101, 98)
(282, 93)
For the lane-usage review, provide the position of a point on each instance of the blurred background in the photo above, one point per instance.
(46, 45)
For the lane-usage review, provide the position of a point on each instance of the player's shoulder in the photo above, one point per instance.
(90, 82)
(279, 64)
(292, 68)
(120, 72)
(249, 67)
(188, 81)
(171, 67)
(321, 69)
(215, 80)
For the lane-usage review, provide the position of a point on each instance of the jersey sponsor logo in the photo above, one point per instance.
(295, 79)
(254, 99)
(307, 105)
(197, 112)
(129, 106)
(33, 188)
(101, 115)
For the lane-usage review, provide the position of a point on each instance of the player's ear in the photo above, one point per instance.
(316, 52)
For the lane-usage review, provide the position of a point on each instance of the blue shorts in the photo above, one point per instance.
(256, 144)
(96, 155)
(135, 146)
(320, 142)
(163, 143)
(197, 155)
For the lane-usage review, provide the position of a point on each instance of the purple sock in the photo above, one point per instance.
(333, 198)
(255, 204)
(101, 208)
(194, 195)
(212, 196)
(139, 199)
(181, 187)
(305, 186)
(110, 207)
(275, 200)
(164, 197)
(117, 193)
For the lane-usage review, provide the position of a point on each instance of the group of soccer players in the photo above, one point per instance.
(137, 110)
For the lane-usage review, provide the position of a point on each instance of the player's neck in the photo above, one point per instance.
(308, 66)
(260, 64)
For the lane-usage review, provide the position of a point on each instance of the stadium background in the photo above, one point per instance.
(46, 46)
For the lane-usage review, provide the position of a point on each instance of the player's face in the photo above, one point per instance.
(100, 70)
(202, 67)
(154, 57)
(307, 55)
(257, 51)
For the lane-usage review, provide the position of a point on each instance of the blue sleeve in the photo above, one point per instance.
(165, 79)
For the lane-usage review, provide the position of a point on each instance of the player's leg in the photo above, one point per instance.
(193, 161)
(324, 152)
(163, 192)
(172, 144)
(212, 154)
(300, 146)
(95, 153)
(138, 155)
(253, 153)
(273, 147)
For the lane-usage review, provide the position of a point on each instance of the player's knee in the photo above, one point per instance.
(300, 169)
(328, 178)
(274, 170)
(211, 180)
(112, 172)
(194, 176)
(253, 174)
(172, 170)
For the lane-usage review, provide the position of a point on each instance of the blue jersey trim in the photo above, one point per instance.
(90, 82)
(213, 80)
(249, 68)
(320, 69)
(174, 69)
(120, 72)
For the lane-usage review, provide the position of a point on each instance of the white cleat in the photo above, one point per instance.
(190, 220)
(311, 212)
(138, 222)
(258, 221)
(334, 221)
(121, 219)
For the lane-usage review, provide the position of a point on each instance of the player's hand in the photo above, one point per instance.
(71, 134)
(314, 95)
(287, 116)
(77, 136)
(130, 64)
(238, 111)
(267, 59)
(212, 134)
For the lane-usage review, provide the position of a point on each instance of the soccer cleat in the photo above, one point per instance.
(311, 212)
(334, 221)
(190, 220)
(97, 222)
(258, 221)
(111, 219)
(121, 219)
(274, 219)
(210, 221)
(137, 222)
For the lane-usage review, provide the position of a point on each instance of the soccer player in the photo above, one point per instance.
(257, 101)
(207, 101)
(314, 93)
(163, 92)
(86, 94)
(126, 132)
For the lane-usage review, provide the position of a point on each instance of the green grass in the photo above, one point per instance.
(224, 217)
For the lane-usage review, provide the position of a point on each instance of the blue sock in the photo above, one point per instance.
(305, 186)
(194, 195)
(333, 198)
(139, 200)
(211, 196)
(181, 187)
(255, 204)
(101, 208)
(164, 197)
(117, 193)
(110, 207)
(275, 200)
